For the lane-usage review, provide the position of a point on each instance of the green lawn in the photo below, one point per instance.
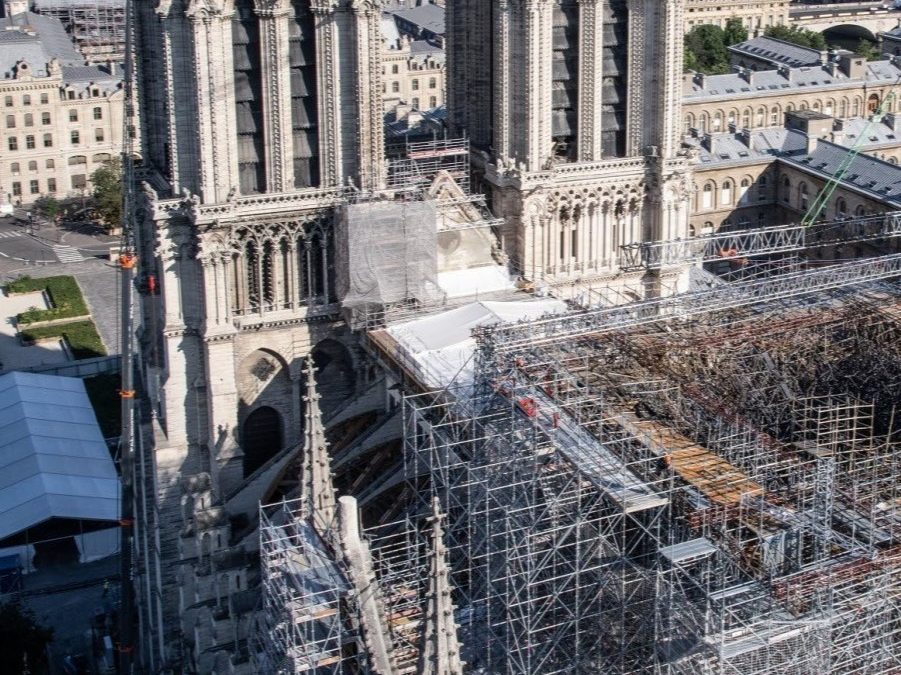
(103, 390)
(64, 293)
(81, 336)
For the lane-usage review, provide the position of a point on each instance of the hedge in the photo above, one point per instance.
(81, 336)
(64, 294)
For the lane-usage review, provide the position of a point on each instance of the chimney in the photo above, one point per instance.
(701, 80)
(892, 121)
(745, 136)
(812, 142)
(707, 142)
(786, 72)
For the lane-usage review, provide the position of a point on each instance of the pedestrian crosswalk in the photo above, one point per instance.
(67, 254)
(10, 235)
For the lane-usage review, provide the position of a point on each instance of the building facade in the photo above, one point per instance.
(413, 75)
(61, 120)
(756, 15)
(574, 107)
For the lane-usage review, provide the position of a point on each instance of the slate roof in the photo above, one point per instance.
(777, 52)
(430, 17)
(732, 85)
(36, 39)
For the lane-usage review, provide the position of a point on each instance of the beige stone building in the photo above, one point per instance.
(850, 87)
(61, 120)
(756, 15)
(413, 72)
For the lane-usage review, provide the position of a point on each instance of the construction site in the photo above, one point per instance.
(704, 482)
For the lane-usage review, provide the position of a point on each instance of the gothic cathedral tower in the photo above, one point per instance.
(574, 107)
(258, 117)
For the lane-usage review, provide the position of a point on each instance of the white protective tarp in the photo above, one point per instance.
(441, 346)
(54, 462)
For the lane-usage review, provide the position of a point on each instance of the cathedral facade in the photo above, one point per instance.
(258, 118)
(260, 121)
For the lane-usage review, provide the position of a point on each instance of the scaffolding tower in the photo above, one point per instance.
(704, 484)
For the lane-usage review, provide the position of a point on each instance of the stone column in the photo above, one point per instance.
(637, 78)
(371, 135)
(214, 127)
(328, 84)
(276, 80)
(535, 85)
(503, 63)
(591, 66)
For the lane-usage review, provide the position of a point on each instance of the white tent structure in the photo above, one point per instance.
(57, 478)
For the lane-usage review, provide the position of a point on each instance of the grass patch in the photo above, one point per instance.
(103, 390)
(64, 294)
(82, 337)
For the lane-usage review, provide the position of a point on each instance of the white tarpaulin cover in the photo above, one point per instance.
(54, 462)
(441, 345)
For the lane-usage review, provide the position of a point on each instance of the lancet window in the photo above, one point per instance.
(280, 267)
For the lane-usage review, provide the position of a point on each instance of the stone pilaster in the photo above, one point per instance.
(638, 77)
(210, 124)
(591, 66)
(536, 85)
(328, 86)
(370, 130)
(276, 80)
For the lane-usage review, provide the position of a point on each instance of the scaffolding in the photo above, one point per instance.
(96, 26)
(703, 484)
(310, 619)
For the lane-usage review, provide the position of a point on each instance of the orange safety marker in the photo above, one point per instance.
(127, 393)
(127, 260)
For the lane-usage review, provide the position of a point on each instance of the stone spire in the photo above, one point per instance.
(440, 653)
(317, 493)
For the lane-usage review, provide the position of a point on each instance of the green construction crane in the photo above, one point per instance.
(822, 199)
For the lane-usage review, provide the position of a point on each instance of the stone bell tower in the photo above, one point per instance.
(574, 108)
(258, 118)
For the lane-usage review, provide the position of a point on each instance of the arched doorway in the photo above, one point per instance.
(261, 438)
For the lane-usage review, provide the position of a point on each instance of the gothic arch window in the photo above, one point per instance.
(775, 116)
(860, 211)
(829, 108)
(261, 438)
(803, 105)
(872, 103)
(689, 122)
(743, 190)
(843, 111)
(762, 188)
(858, 102)
(718, 121)
(704, 123)
(786, 190)
(816, 106)
(707, 196)
(733, 117)
(760, 118)
(841, 208)
(726, 193)
(746, 118)
(803, 196)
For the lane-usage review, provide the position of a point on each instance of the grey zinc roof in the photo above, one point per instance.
(868, 174)
(430, 17)
(388, 26)
(777, 51)
(54, 462)
(35, 39)
(99, 75)
(733, 85)
(732, 148)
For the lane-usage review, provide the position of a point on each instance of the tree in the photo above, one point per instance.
(868, 50)
(798, 36)
(107, 181)
(22, 640)
(734, 32)
(47, 207)
(705, 50)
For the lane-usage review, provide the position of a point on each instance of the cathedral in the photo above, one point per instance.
(266, 189)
